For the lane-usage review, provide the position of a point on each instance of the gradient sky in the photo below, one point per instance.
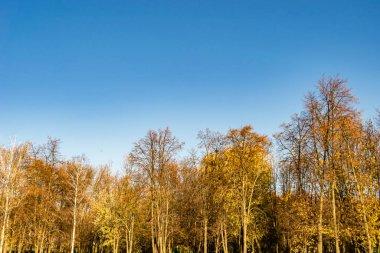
(99, 74)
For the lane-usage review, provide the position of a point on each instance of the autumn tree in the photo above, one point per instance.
(331, 113)
(116, 207)
(249, 164)
(79, 179)
(320, 158)
(154, 157)
(210, 184)
(188, 204)
(11, 175)
(362, 150)
(41, 194)
(295, 202)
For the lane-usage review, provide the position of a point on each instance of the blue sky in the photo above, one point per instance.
(99, 74)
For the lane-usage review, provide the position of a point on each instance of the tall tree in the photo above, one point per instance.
(295, 202)
(250, 168)
(213, 145)
(79, 179)
(331, 112)
(11, 176)
(116, 207)
(154, 157)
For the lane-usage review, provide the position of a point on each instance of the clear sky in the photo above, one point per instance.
(99, 74)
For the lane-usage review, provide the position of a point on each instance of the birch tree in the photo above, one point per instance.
(11, 180)
(79, 179)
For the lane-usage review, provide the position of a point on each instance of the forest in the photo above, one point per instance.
(314, 186)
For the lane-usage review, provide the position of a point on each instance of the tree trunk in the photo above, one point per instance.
(224, 238)
(166, 245)
(74, 219)
(205, 236)
(258, 244)
(154, 250)
(20, 243)
(5, 221)
(244, 234)
(320, 222)
(129, 236)
(337, 250)
(363, 211)
(217, 243)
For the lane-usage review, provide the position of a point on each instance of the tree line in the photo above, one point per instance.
(313, 187)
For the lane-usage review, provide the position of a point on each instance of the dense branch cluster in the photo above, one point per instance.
(314, 188)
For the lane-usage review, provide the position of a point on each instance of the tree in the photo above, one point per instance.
(12, 161)
(79, 179)
(116, 207)
(210, 182)
(250, 171)
(319, 157)
(41, 193)
(130, 203)
(154, 157)
(362, 150)
(296, 202)
(331, 113)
